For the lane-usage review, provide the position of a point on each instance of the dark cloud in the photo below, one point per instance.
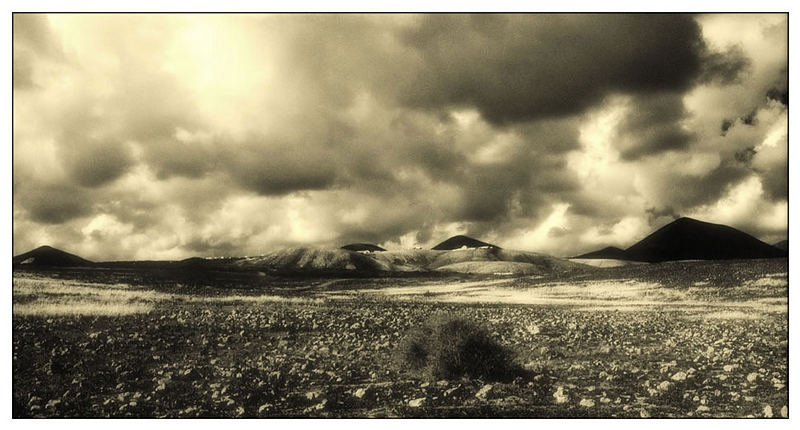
(486, 193)
(516, 68)
(726, 125)
(175, 158)
(724, 67)
(275, 168)
(772, 166)
(416, 143)
(685, 192)
(529, 179)
(750, 119)
(654, 125)
(779, 95)
(746, 155)
(551, 137)
(53, 203)
(776, 182)
(93, 163)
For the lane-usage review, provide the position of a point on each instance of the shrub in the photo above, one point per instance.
(449, 348)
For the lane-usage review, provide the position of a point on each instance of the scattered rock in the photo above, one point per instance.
(314, 395)
(587, 403)
(752, 377)
(767, 411)
(729, 367)
(191, 373)
(360, 393)
(484, 392)
(452, 392)
(785, 411)
(560, 395)
(644, 414)
(680, 376)
(665, 386)
(318, 407)
(417, 403)
(264, 408)
(702, 408)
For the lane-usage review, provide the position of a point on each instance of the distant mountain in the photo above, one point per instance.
(480, 258)
(49, 256)
(690, 239)
(610, 252)
(783, 245)
(474, 260)
(363, 247)
(311, 259)
(458, 242)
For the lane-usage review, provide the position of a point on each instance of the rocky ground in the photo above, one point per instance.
(333, 357)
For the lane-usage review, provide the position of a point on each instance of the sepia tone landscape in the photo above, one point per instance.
(464, 330)
(394, 216)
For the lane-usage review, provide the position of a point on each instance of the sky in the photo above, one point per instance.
(171, 136)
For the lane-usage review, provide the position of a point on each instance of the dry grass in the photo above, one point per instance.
(256, 299)
(35, 296)
(47, 308)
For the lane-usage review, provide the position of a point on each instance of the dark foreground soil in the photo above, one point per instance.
(333, 358)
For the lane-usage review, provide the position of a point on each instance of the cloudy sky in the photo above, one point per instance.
(170, 136)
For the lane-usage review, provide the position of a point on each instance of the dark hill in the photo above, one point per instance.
(49, 256)
(610, 252)
(362, 247)
(457, 242)
(782, 245)
(690, 239)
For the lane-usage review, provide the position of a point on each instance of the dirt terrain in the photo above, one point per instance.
(682, 339)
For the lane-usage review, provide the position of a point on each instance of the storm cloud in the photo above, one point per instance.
(167, 136)
(521, 67)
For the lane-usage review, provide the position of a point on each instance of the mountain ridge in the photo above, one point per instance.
(363, 247)
(460, 241)
(690, 239)
(48, 256)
